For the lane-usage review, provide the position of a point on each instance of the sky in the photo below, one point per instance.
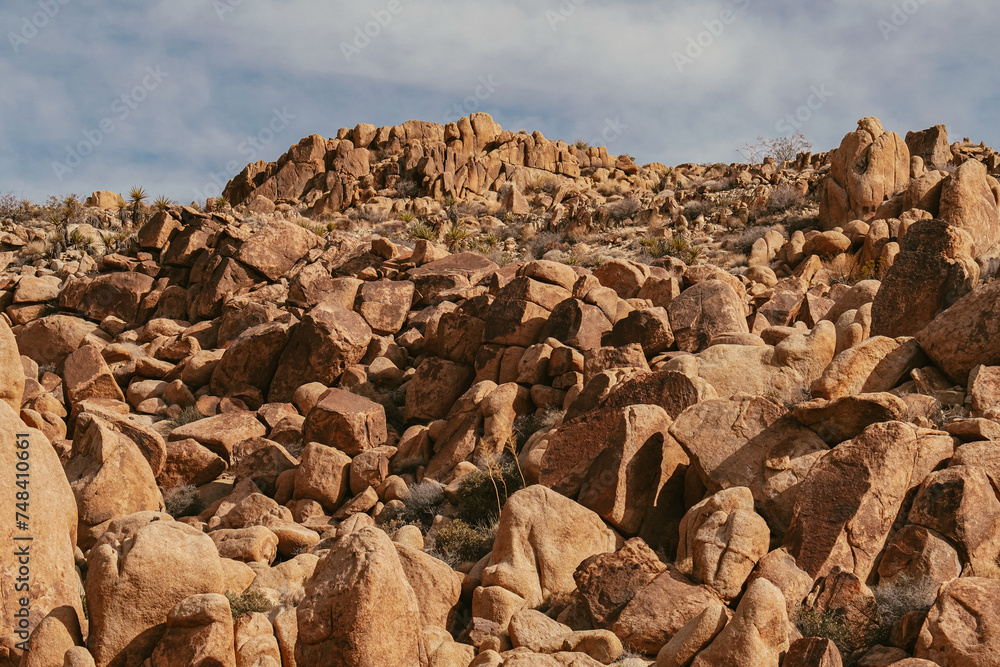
(179, 95)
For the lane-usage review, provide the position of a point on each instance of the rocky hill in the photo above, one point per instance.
(450, 396)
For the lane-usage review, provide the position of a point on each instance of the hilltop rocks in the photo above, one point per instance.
(870, 166)
(970, 200)
(359, 609)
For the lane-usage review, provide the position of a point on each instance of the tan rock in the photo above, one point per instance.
(359, 609)
(110, 478)
(847, 505)
(846, 417)
(660, 610)
(919, 556)
(220, 433)
(251, 359)
(49, 340)
(751, 442)
(965, 335)
(812, 652)
(252, 544)
(722, 538)
(541, 539)
(970, 200)
(276, 247)
(758, 634)
(328, 340)
(703, 311)
(435, 387)
(57, 633)
(134, 582)
(961, 627)
(436, 586)
(607, 582)
(694, 636)
(351, 423)
(873, 366)
(385, 304)
(323, 476)
(199, 632)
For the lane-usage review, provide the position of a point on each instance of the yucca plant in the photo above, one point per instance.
(450, 201)
(407, 216)
(137, 195)
(490, 241)
(456, 234)
(572, 260)
(420, 230)
(581, 144)
(162, 203)
(221, 202)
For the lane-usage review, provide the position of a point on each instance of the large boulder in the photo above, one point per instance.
(752, 442)
(848, 503)
(541, 540)
(199, 632)
(359, 609)
(252, 359)
(329, 340)
(49, 340)
(704, 311)
(870, 166)
(758, 634)
(435, 387)
(970, 200)
(963, 627)
(351, 423)
(933, 269)
(110, 478)
(117, 294)
(966, 334)
(51, 523)
(136, 576)
(276, 247)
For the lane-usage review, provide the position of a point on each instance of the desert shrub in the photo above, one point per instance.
(502, 257)
(455, 236)
(623, 209)
(896, 599)
(832, 625)
(527, 425)
(460, 542)
(695, 208)
(407, 216)
(483, 493)
(186, 416)
(407, 189)
(743, 243)
(783, 198)
(545, 242)
(375, 216)
(781, 149)
(248, 602)
(183, 500)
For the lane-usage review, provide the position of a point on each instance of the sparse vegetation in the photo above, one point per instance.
(162, 203)
(137, 195)
(183, 500)
(420, 230)
(782, 149)
(459, 542)
(248, 602)
(455, 236)
(483, 493)
(186, 416)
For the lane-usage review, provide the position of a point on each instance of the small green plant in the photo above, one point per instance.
(572, 260)
(422, 231)
(450, 201)
(137, 195)
(693, 256)
(83, 605)
(183, 500)
(489, 241)
(455, 235)
(581, 144)
(407, 216)
(655, 247)
(832, 625)
(186, 416)
(162, 203)
(460, 542)
(78, 238)
(248, 602)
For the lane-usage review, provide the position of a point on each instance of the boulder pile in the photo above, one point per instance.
(351, 417)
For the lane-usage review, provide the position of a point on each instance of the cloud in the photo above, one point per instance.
(567, 68)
